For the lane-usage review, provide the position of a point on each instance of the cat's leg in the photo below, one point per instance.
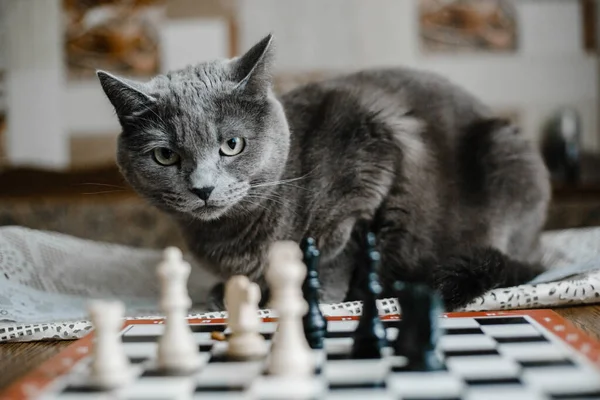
(402, 247)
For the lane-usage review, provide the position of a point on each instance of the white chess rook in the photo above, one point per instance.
(110, 367)
(241, 300)
(290, 353)
(177, 349)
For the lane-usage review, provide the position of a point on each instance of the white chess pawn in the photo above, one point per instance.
(177, 349)
(290, 353)
(110, 367)
(241, 301)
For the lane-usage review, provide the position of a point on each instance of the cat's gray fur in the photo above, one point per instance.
(459, 196)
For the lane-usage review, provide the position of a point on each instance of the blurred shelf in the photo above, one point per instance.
(589, 191)
(106, 183)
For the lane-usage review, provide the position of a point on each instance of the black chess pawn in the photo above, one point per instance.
(418, 329)
(315, 324)
(370, 337)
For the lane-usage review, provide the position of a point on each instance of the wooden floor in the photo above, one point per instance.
(586, 318)
(16, 359)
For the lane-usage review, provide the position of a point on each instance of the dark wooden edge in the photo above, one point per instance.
(37, 183)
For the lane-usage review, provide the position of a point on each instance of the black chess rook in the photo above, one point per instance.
(418, 329)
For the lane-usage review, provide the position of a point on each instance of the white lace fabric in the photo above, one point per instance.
(47, 278)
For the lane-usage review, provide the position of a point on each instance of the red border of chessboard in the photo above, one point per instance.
(34, 382)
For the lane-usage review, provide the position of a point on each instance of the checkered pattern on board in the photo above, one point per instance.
(485, 358)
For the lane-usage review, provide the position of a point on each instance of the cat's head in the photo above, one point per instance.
(201, 141)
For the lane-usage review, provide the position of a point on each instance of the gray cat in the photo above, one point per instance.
(456, 196)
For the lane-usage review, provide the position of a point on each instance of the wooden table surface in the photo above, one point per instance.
(16, 359)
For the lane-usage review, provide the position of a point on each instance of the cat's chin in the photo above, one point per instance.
(210, 212)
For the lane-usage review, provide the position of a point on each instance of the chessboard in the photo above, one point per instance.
(530, 354)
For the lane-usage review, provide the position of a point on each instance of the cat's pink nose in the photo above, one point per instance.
(203, 193)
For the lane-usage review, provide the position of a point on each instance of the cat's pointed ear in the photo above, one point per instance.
(127, 97)
(252, 71)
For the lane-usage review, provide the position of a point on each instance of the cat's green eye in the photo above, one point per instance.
(232, 147)
(165, 156)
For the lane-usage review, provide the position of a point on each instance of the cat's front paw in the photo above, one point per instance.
(463, 278)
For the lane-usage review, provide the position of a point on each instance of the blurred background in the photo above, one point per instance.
(533, 61)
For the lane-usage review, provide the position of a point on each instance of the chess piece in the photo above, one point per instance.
(241, 300)
(177, 349)
(315, 324)
(290, 354)
(418, 330)
(110, 367)
(305, 245)
(370, 336)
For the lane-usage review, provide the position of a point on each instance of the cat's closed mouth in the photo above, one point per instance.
(210, 210)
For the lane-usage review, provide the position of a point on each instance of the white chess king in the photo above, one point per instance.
(177, 349)
(241, 300)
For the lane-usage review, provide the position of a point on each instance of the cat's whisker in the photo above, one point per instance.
(170, 196)
(256, 204)
(268, 196)
(273, 196)
(277, 183)
(177, 202)
(104, 192)
(288, 185)
(282, 181)
(102, 184)
(277, 201)
(298, 187)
